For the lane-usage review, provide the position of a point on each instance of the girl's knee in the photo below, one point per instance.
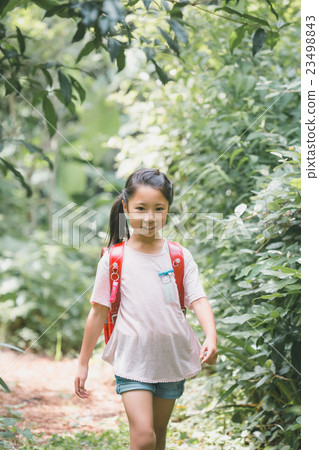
(144, 438)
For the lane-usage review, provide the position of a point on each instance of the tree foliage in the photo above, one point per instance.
(113, 27)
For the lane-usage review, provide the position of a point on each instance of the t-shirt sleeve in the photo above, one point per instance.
(101, 288)
(193, 288)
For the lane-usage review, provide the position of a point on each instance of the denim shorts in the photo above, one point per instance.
(171, 390)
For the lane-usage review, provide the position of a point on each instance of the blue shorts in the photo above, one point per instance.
(171, 390)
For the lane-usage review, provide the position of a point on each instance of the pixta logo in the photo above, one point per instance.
(70, 225)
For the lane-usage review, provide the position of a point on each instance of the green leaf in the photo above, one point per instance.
(179, 31)
(10, 52)
(120, 59)
(227, 393)
(160, 72)
(7, 434)
(262, 381)
(89, 12)
(80, 32)
(147, 3)
(50, 116)
(104, 25)
(258, 40)
(296, 182)
(34, 149)
(165, 5)
(272, 37)
(79, 88)
(234, 154)
(65, 87)
(58, 10)
(45, 4)
(229, 10)
(2, 383)
(114, 10)
(238, 319)
(236, 37)
(246, 16)
(39, 96)
(176, 11)
(296, 355)
(70, 105)
(27, 433)
(114, 47)
(240, 342)
(272, 9)
(12, 85)
(18, 175)
(9, 421)
(88, 48)
(47, 75)
(3, 4)
(21, 40)
(256, 19)
(229, 351)
(2, 31)
(172, 44)
(149, 52)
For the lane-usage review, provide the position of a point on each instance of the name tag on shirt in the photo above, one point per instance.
(168, 286)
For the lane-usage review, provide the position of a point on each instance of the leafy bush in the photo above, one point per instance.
(44, 293)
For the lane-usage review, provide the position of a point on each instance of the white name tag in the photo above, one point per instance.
(168, 286)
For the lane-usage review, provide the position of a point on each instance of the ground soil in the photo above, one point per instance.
(43, 391)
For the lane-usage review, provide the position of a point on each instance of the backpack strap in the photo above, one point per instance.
(115, 270)
(177, 258)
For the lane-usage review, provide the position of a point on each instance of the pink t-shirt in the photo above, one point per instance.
(152, 341)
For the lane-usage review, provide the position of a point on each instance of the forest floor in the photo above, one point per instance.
(43, 391)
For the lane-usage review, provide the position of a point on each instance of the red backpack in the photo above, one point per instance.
(115, 268)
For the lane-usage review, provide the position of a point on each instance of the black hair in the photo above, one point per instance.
(118, 227)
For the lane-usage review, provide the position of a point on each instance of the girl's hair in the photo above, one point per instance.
(148, 177)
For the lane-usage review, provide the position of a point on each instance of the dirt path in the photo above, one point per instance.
(43, 390)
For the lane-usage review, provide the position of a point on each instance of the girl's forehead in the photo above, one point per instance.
(148, 194)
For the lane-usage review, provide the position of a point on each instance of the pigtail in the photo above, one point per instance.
(118, 225)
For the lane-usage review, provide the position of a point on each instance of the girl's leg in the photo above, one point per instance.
(139, 409)
(162, 410)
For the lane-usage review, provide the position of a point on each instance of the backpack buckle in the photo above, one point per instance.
(113, 318)
(115, 275)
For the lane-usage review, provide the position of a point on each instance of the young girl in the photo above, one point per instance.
(153, 349)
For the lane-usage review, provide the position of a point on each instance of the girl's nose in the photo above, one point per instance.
(150, 216)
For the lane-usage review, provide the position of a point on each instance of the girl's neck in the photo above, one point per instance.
(148, 243)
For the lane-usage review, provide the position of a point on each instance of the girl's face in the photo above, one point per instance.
(147, 210)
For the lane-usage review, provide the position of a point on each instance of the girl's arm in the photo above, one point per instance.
(206, 319)
(94, 325)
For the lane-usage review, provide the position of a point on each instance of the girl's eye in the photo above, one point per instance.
(141, 208)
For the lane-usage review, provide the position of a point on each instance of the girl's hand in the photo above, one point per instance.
(208, 353)
(79, 381)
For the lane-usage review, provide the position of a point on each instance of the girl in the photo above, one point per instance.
(153, 349)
